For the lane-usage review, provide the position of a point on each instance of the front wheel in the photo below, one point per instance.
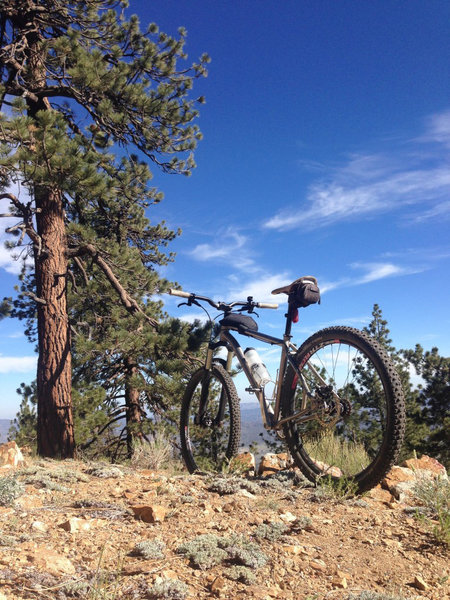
(210, 422)
(348, 407)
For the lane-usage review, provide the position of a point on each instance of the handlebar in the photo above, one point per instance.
(222, 305)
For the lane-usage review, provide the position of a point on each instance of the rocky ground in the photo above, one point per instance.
(79, 530)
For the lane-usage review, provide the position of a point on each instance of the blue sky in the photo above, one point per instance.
(325, 152)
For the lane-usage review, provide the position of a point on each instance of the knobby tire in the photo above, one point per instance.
(365, 441)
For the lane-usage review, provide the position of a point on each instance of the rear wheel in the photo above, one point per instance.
(210, 423)
(349, 407)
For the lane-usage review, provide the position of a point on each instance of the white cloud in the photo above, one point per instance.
(17, 364)
(229, 245)
(372, 271)
(261, 288)
(413, 177)
(10, 260)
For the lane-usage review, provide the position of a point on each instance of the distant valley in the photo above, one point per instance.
(5, 424)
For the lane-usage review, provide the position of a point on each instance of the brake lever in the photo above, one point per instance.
(190, 302)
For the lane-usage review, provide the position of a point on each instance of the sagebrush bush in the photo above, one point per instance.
(10, 490)
(105, 472)
(242, 574)
(169, 589)
(223, 485)
(150, 549)
(368, 595)
(270, 531)
(209, 550)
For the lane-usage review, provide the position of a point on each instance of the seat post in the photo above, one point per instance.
(288, 315)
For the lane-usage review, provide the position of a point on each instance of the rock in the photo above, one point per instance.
(399, 481)
(318, 565)
(272, 463)
(218, 584)
(419, 583)
(244, 463)
(379, 494)
(426, 463)
(150, 513)
(39, 526)
(75, 524)
(340, 582)
(293, 549)
(287, 517)
(11, 455)
(51, 561)
(333, 471)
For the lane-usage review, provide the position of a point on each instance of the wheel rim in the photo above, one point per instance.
(350, 405)
(208, 435)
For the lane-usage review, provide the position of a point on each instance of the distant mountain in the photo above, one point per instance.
(252, 428)
(4, 428)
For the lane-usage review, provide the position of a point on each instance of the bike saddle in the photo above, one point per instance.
(288, 289)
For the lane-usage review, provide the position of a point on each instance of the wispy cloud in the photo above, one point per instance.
(261, 288)
(10, 259)
(229, 244)
(371, 271)
(17, 364)
(413, 177)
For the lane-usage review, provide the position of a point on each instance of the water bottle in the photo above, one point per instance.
(257, 367)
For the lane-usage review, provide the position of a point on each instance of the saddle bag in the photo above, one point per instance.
(305, 293)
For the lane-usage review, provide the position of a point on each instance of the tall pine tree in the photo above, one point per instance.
(77, 81)
(416, 430)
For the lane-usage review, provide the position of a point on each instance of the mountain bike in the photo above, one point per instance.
(337, 401)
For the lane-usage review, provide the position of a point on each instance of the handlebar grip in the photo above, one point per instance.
(179, 293)
(266, 305)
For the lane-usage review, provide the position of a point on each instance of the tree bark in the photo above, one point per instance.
(54, 372)
(133, 407)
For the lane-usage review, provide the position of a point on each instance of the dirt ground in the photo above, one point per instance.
(75, 530)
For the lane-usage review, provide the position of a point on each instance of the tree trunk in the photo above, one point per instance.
(54, 372)
(133, 407)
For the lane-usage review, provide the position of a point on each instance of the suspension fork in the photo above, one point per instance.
(204, 394)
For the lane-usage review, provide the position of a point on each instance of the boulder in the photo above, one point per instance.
(272, 463)
(10, 455)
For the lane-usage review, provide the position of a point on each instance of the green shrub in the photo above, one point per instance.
(209, 550)
(242, 574)
(154, 454)
(270, 531)
(150, 549)
(434, 494)
(10, 489)
(368, 595)
(169, 589)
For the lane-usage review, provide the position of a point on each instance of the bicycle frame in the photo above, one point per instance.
(271, 417)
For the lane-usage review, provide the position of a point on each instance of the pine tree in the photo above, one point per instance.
(416, 430)
(434, 397)
(78, 80)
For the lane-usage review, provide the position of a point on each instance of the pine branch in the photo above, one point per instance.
(128, 302)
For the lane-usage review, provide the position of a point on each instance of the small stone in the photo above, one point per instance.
(218, 584)
(39, 526)
(150, 513)
(419, 583)
(340, 582)
(293, 549)
(288, 517)
(318, 565)
(75, 524)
